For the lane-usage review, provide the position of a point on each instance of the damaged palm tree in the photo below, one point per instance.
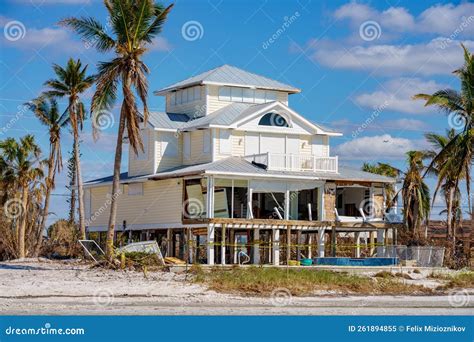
(134, 24)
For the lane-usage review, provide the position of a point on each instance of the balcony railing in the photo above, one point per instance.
(295, 162)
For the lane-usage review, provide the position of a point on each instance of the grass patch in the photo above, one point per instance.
(384, 275)
(458, 280)
(263, 280)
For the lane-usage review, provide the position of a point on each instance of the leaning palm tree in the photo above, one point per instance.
(447, 180)
(388, 171)
(70, 83)
(415, 192)
(48, 114)
(460, 106)
(22, 168)
(134, 25)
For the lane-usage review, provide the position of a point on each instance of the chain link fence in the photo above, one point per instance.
(424, 256)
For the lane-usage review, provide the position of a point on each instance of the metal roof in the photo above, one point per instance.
(241, 167)
(167, 120)
(230, 75)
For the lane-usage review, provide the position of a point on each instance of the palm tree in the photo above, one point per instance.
(48, 114)
(388, 171)
(444, 170)
(21, 167)
(134, 25)
(460, 106)
(415, 192)
(70, 83)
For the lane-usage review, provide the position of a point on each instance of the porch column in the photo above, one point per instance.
(233, 257)
(223, 242)
(276, 246)
(287, 204)
(321, 242)
(210, 244)
(256, 247)
(169, 242)
(298, 241)
(210, 197)
(309, 241)
(372, 242)
(357, 242)
(380, 242)
(333, 242)
(189, 244)
(288, 243)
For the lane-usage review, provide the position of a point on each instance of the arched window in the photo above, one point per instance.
(273, 119)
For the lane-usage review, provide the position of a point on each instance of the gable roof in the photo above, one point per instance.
(233, 76)
(234, 113)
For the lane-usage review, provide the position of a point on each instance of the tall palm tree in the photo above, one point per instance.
(134, 25)
(22, 168)
(48, 114)
(388, 171)
(444, 169)
(460, 105)
(415, 192)
(70, 83)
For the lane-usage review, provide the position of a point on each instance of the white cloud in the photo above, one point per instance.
(438, 56)
(438, 19)
(396, 95)
(378, 147)
(446, 19)
(160, 44)
(405, 124)
(34, 38)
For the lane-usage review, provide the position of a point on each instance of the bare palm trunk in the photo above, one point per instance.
(72, 184)
(80, 190)
(22, 226)
(449, 221)
(49, 187)
(109, 251)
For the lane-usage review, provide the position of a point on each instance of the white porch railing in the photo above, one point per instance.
(295, 162)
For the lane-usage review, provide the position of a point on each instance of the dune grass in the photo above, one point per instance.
(457, 280)
(263, 280)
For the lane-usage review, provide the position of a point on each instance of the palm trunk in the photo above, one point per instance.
(109, 251)
(72, 184)
(49, 187)
(80, 190)
(449, 221)
(22, 226)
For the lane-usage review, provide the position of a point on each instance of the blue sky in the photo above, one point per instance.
(357, 63)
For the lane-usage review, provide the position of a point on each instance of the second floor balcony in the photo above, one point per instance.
(295, 162)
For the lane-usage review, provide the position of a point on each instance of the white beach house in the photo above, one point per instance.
(230, 170)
